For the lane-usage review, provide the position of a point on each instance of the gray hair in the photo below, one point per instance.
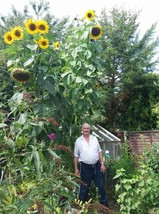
(84, 124)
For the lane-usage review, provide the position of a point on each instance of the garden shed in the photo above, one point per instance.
(110, 144)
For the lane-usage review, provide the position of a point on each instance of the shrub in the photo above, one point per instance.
(139, 192)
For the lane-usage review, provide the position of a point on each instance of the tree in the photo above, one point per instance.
(128, 61)
(136, 102)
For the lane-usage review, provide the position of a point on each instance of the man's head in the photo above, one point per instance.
(86, 129)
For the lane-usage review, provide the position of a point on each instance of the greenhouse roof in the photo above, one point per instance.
(103, 134)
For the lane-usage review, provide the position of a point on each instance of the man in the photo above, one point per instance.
(88, 154)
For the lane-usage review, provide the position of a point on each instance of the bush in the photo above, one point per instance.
(151, 157)
(138, 192)
(127, 162)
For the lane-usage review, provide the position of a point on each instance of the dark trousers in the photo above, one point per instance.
(88, 174)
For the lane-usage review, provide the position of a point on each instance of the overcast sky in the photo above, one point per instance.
(149, 9)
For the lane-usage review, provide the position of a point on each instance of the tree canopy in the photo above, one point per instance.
(130, 82)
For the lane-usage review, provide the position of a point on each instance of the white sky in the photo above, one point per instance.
(149, 9)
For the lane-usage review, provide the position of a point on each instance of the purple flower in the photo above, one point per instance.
(52, 136)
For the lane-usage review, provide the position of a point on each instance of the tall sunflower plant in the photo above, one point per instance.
(83, 48)
(83, 67)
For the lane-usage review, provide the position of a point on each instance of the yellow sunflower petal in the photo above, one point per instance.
(89, 14)
(8, 38)
(42, 27)
(43, 43)
(96, 32)
(17, 32)
(31, 26)
(56, 45)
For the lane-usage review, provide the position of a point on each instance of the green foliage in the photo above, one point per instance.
(90, 207)
(139, 93)
(83, 206)
(139, 192)
(80, 74)
(151, 157)
(5, 82)
(137, 186)
(155, 111)
(29, 163)
(126, 162)
(47, 191)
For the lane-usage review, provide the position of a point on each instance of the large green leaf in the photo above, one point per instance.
(53, 154)
(3, 125)
(47, 83)
(29, 61)
(10, 142)
(23, 118)
(88, 54)
(37, 161)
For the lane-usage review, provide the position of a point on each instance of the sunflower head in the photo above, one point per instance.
(20, 75)
(43, 43)
(8, 38)
(96, 32)
(17, 33)
(89, 14)
(31, 26)
(56, 45)
(42, 27)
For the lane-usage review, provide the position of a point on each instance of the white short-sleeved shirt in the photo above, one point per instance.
(87, 152)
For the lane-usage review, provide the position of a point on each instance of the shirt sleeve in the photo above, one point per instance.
(76, 150)
(99, 147)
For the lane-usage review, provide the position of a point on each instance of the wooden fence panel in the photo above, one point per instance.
(140, 139)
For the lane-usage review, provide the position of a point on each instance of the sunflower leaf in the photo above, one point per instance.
(10, 142)
(29, 61)
(2, 125)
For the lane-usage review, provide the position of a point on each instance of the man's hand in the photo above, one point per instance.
(103, 168)
(77, 172)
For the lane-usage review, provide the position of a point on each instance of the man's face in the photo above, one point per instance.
(86, 129)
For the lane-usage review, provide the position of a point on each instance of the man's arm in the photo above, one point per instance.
(76, 166)
(103, 168)
(101, 158)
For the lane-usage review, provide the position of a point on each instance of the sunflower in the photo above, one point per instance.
(43, 43)
(42, 27)
(96, 32)
(17, 32)
(31, 26)
(56, 45)
(8, 38)
(20, 75)
(89, 14)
